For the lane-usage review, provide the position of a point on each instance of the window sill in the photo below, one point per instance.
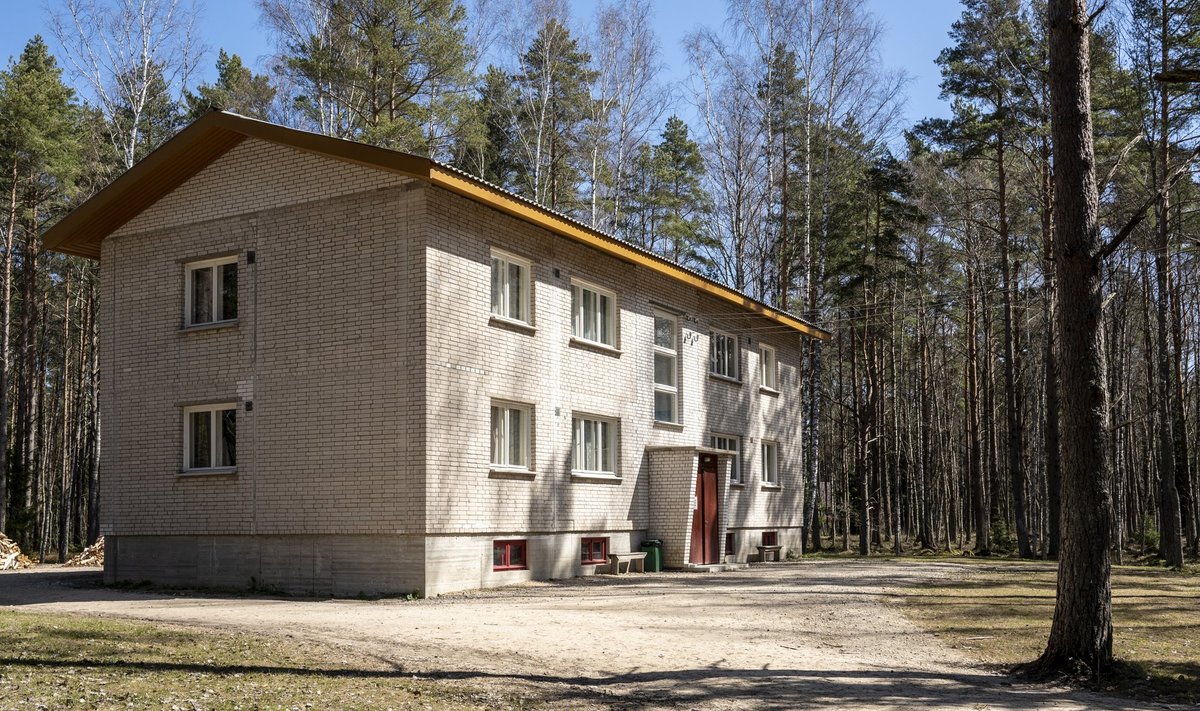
(509, 569)
(215, 471)
(496, 472)
(768, 391)
(594, 562)
(724, 378)
(772, 487)
(511, 324)
(738, 484)
(596, 476)
(595, 346)
(668, 425)
(215, 325)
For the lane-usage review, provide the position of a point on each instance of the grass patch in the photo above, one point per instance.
(67, 662)
(1001, 613)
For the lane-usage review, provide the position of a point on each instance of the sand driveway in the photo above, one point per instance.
(778, 636)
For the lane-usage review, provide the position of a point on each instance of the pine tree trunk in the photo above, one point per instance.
(1081, 633)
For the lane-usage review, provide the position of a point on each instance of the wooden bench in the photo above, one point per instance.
(616, 559)
(765, 553)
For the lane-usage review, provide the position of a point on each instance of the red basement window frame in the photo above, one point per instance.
(509, 555)
(594, 551)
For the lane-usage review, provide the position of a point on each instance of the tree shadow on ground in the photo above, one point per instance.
(765, 689)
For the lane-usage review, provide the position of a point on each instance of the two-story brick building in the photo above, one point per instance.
(334, 368)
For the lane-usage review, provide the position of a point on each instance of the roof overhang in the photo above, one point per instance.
(217, 132)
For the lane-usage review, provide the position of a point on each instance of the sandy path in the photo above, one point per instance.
(787, 636)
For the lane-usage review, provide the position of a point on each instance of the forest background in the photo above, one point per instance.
(779, 159)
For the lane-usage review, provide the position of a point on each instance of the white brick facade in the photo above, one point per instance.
(365, 343)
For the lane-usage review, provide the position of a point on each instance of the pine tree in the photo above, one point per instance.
(388, 72)
(680, 197)
(986, 72)
(39, 152)
(237, 89)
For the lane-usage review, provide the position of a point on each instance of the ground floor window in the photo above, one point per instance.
(770, 463)
(729, 549)
(594, 551)
(210, 437)
(508, 555)
(595, 445)
(770, 538)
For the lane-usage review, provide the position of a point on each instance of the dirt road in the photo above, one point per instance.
(785, 636)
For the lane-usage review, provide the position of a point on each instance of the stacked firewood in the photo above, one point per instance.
(11, 557)
(93, 555)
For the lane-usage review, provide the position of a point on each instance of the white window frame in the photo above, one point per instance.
(503, 309)
(526, 450)
(733, 357)
(768, 366)
(736, 475)
(577, 316)
(770, 463)
(611, 448)
(214, 455)
(189, 272)
(665, 352)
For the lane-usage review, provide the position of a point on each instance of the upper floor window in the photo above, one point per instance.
(210, 437)
(733, 445)
(666, 360)
(723, 354)
(510, 435)
(594, 446)
(510, 287)
(211, 291)
(594, 315)
(768, 366)
(770, 463)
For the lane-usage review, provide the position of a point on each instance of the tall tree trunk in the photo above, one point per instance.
(976, 477)
(1012, 401)
(1170, 529)
(1081, 633)
(5, 349)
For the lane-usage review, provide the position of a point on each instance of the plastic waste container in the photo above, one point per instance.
(653, 550)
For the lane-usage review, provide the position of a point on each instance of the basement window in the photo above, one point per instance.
(509, 555)
(594, 551)
(210, 438)
(210, 292)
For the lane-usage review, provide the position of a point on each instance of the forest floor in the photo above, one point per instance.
(1000, 613)
(813, 634)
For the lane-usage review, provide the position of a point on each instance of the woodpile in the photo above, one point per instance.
(11, 557)
(93, 555)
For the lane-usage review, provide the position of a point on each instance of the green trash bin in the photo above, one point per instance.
(653, 550)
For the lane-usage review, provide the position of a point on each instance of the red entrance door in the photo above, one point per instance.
(705, 549)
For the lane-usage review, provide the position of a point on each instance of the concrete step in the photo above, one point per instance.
(714, 568)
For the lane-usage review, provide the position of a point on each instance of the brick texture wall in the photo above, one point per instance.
(473, 360)
(364, 342)
(327, 345)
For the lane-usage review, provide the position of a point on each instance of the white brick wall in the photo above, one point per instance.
(363, 339)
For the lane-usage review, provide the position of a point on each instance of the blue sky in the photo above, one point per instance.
(916, 32)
